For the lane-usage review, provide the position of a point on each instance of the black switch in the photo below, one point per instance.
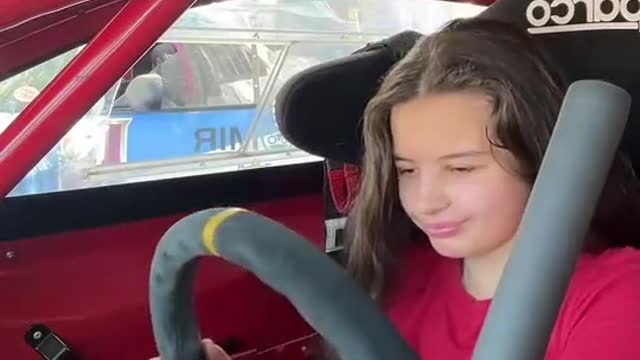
(46, 343)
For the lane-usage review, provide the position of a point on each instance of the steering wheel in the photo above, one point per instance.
(322, 292)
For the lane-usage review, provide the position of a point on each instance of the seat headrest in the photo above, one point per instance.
(320, 110)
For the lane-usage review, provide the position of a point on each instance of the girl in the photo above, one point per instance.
(453, 141)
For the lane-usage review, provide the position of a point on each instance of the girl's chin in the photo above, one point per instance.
(446, 249)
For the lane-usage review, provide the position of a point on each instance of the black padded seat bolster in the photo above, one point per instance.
(311, 112)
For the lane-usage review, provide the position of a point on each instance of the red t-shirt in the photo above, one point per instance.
(599, 320)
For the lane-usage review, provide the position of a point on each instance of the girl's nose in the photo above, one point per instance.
(431, 196)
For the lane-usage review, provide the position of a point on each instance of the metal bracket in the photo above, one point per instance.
(334, 234)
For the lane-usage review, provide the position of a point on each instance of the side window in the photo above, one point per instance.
(187, 108)
(187, 99)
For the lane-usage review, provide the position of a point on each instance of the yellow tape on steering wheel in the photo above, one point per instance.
(213, 224)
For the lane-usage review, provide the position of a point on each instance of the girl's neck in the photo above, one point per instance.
(481, 275)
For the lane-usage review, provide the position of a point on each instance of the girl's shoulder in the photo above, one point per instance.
(616, 264)
(601, 306)
(600, 278)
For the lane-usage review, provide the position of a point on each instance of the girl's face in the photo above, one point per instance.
(459, 189)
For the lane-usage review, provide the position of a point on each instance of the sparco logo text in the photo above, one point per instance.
(558, 15)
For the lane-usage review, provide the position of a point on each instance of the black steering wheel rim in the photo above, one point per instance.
(322, 292)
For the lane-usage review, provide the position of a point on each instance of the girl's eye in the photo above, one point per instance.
(462, 169)
(403, 171)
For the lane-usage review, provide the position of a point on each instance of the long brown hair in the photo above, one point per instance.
(526, 89)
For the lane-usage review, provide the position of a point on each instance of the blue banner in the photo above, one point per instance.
(178, 134)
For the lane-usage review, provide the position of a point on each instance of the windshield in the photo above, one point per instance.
(201, 99)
